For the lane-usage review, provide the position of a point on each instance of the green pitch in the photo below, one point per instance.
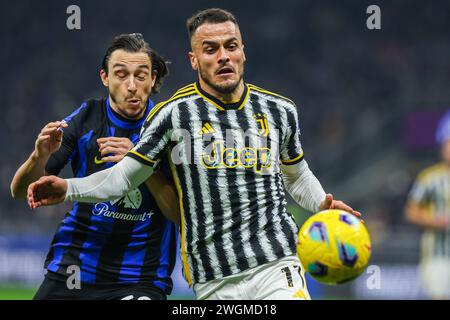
(16, 293)
(27, 294)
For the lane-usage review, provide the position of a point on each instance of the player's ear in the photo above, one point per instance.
(154, 74)
(104, 78)
(243, 52)
(193, 60)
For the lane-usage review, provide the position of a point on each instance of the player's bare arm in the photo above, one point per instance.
(420, 216)
(165, 195)
(48, 142)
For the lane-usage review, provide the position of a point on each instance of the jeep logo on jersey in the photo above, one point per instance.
(230, 158)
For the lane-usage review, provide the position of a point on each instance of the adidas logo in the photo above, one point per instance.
(299, 295)
(207, 129)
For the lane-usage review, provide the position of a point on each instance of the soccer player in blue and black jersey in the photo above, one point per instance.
(121, 249)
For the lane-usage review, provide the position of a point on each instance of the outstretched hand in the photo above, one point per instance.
(330, 203)
(48, 190)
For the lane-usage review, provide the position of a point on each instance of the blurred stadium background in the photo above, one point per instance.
(369, 102)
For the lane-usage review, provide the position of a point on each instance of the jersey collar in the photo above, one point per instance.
(126, 124)
(218, 103)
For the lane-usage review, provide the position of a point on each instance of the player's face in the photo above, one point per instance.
(445, 151)
(218, 56)
(129, 81)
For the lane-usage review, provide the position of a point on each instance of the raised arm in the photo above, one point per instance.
(116, 181)
(48, 141)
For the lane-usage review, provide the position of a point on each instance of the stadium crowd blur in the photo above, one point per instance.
(369, 99)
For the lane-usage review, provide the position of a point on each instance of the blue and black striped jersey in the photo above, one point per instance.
(125, 241)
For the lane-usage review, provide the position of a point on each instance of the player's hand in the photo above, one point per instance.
(50, 138)
(330, 203)
(48, 190)
(113, 149)
(440, 223)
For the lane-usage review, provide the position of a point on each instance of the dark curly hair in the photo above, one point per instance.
(134, 42)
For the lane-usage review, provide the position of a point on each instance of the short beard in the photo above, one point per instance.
(123, 113)
(229, 89)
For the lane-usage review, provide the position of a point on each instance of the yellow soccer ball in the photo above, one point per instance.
(334, 246)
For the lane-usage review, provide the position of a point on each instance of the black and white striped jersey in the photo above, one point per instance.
(432, 191)
(226, 163)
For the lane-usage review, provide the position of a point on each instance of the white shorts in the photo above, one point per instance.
(435, 274)
(283, 279)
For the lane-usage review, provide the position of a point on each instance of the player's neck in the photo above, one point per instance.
(232, 97)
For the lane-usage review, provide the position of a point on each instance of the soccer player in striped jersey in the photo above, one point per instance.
(231, 144)
(428, 206)
(123, 248)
